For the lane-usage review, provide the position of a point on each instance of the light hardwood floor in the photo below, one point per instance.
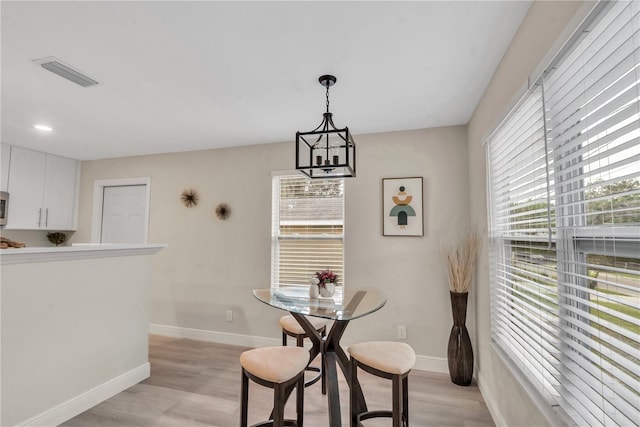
(195, 383)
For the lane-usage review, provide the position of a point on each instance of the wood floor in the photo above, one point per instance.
(195, 383)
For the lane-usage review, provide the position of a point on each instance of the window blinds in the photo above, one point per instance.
(519, 178)
(592, 99)
(593, 116)
(307, 228)
(524, 295)
(564, 172)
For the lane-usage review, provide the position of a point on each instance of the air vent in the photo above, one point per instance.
(63, 70)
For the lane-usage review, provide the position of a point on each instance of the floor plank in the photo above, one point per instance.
(196, 383)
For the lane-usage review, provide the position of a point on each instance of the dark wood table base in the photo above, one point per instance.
(361, 302)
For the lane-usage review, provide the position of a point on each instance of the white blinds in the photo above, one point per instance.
(524, 295)
(519, 178)
(307, 228)
(565, 223)
(593, 102)
(592, 98)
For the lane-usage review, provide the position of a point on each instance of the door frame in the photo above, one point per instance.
(98, 203)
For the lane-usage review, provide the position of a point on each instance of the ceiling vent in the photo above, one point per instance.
(63, 70)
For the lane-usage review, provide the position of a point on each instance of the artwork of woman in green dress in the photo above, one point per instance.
(402, 208)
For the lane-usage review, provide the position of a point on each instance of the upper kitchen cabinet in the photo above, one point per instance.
(5, 155)
(43, 191)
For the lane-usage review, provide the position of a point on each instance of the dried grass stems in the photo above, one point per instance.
(460, 262)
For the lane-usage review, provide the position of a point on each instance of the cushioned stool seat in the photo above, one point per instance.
(279, 368)
(291, 327)
(386, 359)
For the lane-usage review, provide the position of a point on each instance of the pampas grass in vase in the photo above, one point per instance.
(460, 264)
(461, 260)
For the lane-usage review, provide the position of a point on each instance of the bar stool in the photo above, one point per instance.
(291, 327)
(279, 368)
(385, 359)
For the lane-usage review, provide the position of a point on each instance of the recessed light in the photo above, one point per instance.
(43, 128)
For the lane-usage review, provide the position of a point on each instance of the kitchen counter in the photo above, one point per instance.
(76, 251)
(74, 328)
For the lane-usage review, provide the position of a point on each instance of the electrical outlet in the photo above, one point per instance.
(402, 332)
(229, 315)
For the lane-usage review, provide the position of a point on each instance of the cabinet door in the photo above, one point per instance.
(26, 189)
(59, 194)
(5, 156)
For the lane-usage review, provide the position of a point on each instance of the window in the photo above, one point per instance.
(307, 228)
(565, 225)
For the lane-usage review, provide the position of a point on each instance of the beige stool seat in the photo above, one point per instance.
(290, 324)
(275, 364)
(291, 327)
(391, 357)
(279, 368)
(385, 359)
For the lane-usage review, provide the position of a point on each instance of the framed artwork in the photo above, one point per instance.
(402, 207)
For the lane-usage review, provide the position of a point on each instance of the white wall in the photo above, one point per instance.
(211, 266)
(74, 332)
(546, 26)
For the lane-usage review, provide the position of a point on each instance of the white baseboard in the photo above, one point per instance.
(76, 405)
(432, 364)
(489, 400)
(423, 363)
(213, 336)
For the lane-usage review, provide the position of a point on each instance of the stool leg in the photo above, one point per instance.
(244, 399)
(405, 400)
(300, 401)
(352, 393)
(323, 374)
(397, 404)
(278, 405)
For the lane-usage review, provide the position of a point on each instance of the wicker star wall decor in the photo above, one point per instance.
(223, 211)
(189, 198)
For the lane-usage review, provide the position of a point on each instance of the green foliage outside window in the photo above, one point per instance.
(603, 209)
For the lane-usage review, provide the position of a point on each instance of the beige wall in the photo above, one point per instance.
(546, 25)
(210, 266)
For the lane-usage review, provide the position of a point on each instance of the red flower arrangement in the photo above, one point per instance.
(326, 276)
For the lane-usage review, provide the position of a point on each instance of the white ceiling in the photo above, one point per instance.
(178, 76)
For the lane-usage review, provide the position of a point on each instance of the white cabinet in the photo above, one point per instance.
(60, 193)
(5, 155)
(43, 191)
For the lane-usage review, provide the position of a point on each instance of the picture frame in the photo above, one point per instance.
(402, 207)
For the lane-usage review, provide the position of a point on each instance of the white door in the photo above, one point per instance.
(124, 214)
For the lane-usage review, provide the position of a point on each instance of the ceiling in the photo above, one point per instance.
(180, 76)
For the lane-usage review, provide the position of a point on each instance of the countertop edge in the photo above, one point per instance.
(75, 252)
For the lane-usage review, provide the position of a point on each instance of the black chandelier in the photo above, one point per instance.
(326, 152)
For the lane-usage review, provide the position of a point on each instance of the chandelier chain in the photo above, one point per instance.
(327, 99)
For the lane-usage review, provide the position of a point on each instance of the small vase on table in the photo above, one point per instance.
(327, 280)
(314, 288)
(328, 290)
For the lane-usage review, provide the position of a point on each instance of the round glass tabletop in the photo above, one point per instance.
(344, 305)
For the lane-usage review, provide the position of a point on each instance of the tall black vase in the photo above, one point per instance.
(459, 351)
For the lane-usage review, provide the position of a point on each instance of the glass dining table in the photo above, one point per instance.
(346, 305)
